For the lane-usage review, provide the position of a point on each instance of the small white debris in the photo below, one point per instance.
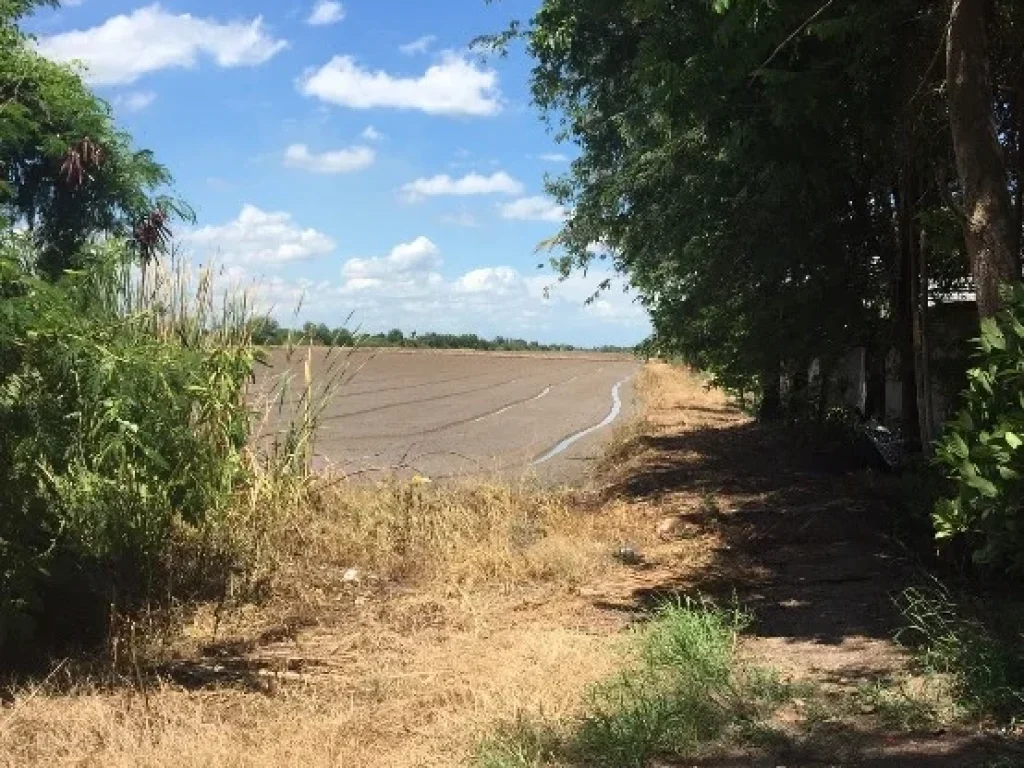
(352, 576)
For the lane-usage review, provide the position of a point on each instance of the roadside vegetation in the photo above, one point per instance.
(681, 692)
(178, 588)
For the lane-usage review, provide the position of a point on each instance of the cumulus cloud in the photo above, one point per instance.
(149, 39)
(444, 185)
(419, 45)
(372, 134)
(260, 237)
(536, 208)
(490, 280)
(454, 86)
(405, 289)
(136, 101)
(338, 161)
(419, 256)
(326, 12)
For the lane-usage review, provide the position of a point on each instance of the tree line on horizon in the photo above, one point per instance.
(268, 331)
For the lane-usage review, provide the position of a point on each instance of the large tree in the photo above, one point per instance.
(992, 234)
(762, 173)
(66, 172)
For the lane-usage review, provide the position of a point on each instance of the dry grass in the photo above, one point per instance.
(468, 605)
(402, 621)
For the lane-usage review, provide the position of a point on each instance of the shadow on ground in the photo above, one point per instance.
(803, 542)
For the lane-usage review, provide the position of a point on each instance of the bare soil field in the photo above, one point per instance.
(443, 414)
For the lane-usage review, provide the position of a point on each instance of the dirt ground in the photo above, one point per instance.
(374, 673)
(798, 536)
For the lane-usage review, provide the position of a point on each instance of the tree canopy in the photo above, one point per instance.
(777, 180)
(67, 173)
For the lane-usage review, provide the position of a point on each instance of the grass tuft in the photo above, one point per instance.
(683, 691)
(986, 672)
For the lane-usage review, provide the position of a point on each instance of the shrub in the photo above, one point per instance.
(982, 451)
(124, 423)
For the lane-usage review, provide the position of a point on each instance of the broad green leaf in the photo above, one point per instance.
(985, 487)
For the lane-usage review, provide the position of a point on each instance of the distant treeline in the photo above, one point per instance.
(268, 331)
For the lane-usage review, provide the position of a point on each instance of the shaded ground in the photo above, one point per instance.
(797, 534)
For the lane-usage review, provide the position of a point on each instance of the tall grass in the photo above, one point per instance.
(128, 473)
(985, 669)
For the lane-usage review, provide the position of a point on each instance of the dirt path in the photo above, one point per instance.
(797, 536)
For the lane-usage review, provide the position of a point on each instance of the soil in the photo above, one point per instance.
(798, 534)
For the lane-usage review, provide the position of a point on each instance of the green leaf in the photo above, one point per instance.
(1013, 441)
(1008, 474)
(959, 447)
(985, 487)
(992, 335)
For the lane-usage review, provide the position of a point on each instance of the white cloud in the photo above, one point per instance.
(492, 280)
(455, 86)
(419, 45)
(338, 161)
(136, 101)
(444, 185)
(460, 219)
(405, 289)
(554, 157)
(260, 237)
(536, 208)
(326, 12)
(372, 134)
(421, 256)
(126, 47)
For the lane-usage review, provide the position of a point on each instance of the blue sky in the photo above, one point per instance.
(349, 157)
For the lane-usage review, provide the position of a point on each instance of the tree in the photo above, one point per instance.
(993, 238)
(66, 172)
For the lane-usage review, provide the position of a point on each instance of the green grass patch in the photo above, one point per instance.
(985, 668)
(899, 708)
(683, 691)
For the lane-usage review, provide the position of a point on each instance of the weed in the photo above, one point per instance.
(897, 707)
(986, 673)
(683, 691)
(522, 743)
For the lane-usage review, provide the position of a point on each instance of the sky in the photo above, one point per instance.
(352, 160)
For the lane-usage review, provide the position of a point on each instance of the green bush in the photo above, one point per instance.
(982, 451)
(124, 426)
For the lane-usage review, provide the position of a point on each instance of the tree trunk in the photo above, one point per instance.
(921, 346)
(906, 302)
(771, 394)
(988, 228)
(874, 371)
